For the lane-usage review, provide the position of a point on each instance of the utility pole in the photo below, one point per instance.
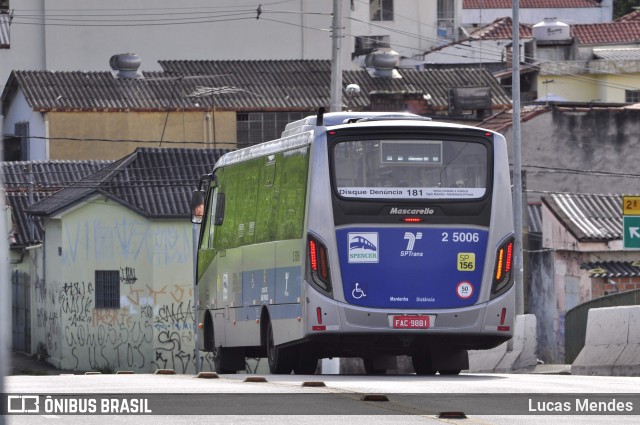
(336, 57)
(5, 294)
(332, 366)
(517, 165)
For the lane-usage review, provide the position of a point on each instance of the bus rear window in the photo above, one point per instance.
(410, 169)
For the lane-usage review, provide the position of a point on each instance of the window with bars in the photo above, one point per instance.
(446, 16)
(632, 96)
(381, 10)
(258, 127)
(107, 289)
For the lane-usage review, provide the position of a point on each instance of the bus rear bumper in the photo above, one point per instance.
(481, 326)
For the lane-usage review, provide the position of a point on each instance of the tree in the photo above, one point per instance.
(622, 7)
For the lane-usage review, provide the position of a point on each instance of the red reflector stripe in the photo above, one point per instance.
(318, 328)
(504, 328)
(319, 315)
(503, 316)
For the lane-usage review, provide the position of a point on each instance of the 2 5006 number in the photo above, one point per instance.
(461, 237)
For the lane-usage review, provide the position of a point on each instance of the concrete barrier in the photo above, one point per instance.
(612, 343)
(519, 353)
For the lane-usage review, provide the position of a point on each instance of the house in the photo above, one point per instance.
(583, 257)
(32, 39)
(477, 13)
(574, 147)
(591, 63)
(114, 289)
(209, 104)
(490, 44)
(25, 183)
(572, 238)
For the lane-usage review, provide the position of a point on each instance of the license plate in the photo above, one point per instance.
(411, 322)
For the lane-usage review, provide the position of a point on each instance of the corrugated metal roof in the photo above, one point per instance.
(503, 120)
(290, 85)
(19, 202)
(55, 175)
(44, 178)
(617, 54)
(528, 4)
(310, 80)
(534, 217)
(612, 268)
(5, 39)
(155, 182)
(588, 217)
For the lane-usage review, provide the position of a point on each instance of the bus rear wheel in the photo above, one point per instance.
(280, 359)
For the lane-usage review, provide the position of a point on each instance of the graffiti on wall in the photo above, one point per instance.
(153, 326)
(128, 239)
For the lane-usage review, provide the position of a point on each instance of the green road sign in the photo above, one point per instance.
(631, 229)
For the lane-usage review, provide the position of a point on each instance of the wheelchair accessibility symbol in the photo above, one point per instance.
(357, 292)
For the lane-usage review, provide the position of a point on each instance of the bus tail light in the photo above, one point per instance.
(502, 276)
(319, 265)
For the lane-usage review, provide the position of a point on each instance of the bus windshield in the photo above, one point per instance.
(410, 169)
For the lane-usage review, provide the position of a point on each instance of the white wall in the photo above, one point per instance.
(154, 327)
(20, 112)
(224, 29)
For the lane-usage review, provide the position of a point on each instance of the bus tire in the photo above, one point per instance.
(208, 344)
(305, 365)
(370, 369)
(450, 372)
(280, 359)
(422, 363)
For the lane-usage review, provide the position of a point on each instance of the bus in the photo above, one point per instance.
(357, 234)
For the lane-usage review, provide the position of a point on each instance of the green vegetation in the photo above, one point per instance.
(622, 7)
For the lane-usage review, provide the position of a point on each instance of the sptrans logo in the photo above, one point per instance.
(363, 247)
(411, 241)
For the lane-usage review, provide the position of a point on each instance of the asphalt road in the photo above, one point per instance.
(356, 399)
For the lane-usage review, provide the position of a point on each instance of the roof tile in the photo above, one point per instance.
(154, 182)
(607, 33)
(292, 85)
(528, 4)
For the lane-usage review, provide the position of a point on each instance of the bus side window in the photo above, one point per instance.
(211, 218)
(218, 218)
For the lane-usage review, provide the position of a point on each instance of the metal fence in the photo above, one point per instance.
(575, 321)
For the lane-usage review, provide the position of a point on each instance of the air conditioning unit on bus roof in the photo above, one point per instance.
(337, 118)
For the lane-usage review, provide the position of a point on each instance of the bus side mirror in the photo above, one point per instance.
(197, 206)
(219, 213)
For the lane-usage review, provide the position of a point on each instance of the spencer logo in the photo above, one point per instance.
(363, 247)
(416, 211)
